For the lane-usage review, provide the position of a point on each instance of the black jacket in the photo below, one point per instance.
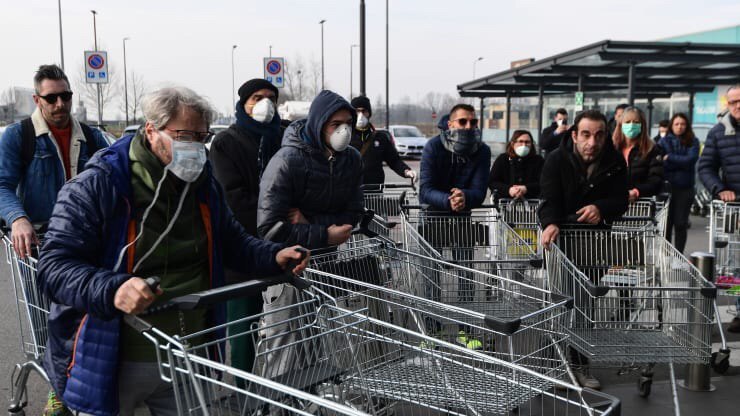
(327, 190)
(380, 150)
(233, 156)
(645, 174)
(565, 188)
(508, 171)
(549, 141)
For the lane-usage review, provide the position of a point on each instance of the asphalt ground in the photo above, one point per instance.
(721, 401)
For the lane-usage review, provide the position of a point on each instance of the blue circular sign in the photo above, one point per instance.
(95, 61)
(274, 67)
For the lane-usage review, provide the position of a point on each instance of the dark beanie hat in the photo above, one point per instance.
(254, 85)
(362, 102)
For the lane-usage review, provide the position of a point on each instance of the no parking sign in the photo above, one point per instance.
(96, 67)
(275, 71)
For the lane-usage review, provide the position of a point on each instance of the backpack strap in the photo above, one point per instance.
(92, 144)
(28, 142)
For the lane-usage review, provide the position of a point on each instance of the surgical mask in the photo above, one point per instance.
(362, 121)
(463, 142)
(188, 159)
(662, 134)
(339, 140)
(631, 130)
(521, 151)
(263, 111)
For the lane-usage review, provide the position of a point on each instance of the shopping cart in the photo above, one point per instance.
(629, 309)
(385, 201)
(32, 307)
(501, 317)
(521, 216)
(477, 239)
(724, 241)
(650, 214)
(350, 363)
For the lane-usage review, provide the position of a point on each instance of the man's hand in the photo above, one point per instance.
(726, 196)
(633, 195)
(589, 214)
(411, 174)
(295, 216)
(457, 200)
(134, 296)
(549, 235)
(286, 255)
(518, 191)
(23, 236)
(561, 128)
(338, 234)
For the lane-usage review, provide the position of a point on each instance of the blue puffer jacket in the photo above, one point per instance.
(326, 188)
(87, 230)
(679, 167)
(721, 151)
(33, 192)
(442, 170)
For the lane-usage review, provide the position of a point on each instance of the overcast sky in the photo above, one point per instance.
(433, 42)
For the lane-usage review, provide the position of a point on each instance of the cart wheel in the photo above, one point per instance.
(644, 384)
(720, 362)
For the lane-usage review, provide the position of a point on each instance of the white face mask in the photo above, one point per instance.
(521, 151)
(663, 134)
(188, 159)
(263, 111)
(339, 140)
(362, 121)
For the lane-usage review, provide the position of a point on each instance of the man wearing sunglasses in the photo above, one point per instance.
(39, 154)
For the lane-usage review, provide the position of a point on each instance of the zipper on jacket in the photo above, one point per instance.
(332, 159)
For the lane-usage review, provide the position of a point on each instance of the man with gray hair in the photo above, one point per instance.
(146, 206)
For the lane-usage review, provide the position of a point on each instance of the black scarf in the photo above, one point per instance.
(267, 133)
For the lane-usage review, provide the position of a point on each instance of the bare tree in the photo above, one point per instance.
(295, 71)
(136, 90)
(7, 101)
(88, 92)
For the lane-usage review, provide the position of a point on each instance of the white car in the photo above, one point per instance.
(216, 129)
(409, 141)
(132, 129)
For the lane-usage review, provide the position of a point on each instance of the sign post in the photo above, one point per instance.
(275, 71)
(96, 72)
(579, 101)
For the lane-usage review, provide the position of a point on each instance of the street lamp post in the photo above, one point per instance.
(363, 46)
(233, 87)
(480, 58)
(387, 99)
(95, 36)
(351, 86)
(322, 52)
(270, 51)
(61, 41)
(125, 79)
(300, 85)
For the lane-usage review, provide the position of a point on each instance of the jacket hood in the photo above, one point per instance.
(322, 108)
(442, 125)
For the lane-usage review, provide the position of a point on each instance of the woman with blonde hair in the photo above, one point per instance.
(644, 163)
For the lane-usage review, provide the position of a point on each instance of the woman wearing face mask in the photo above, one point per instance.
(681, 149)
(516, 173)
(644, 164)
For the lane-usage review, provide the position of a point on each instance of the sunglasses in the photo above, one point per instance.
(464, 122)
(66, 96)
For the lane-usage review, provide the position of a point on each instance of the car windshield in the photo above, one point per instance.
(407, 132)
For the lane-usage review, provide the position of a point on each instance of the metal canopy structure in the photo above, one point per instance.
(644, 69)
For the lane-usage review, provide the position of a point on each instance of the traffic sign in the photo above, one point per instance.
(96, 67)
(579, 101)
(275, 71)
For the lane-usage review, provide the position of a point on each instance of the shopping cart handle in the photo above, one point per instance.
(501, 325)
(596, 291)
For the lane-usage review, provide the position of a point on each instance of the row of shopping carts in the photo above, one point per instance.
(360, 335)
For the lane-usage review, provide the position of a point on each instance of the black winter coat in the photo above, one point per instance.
(508, 171)
(326, 190)
(549, 141)
(565, 188)
(380, 150)
(721, 154)
(645, 174)
(233, 156)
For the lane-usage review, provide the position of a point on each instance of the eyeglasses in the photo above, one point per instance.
(464, 122)
(66, 96)
(190, 135)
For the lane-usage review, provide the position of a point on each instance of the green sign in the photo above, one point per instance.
(579, 100)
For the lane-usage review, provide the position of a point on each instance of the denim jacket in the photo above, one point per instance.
(33, 192)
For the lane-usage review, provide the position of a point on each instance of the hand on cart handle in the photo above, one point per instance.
(589, 214)
(24, 237)
(727, 196)
(549, 235)
(136, 294)
(293, 259)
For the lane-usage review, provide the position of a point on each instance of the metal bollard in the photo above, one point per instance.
(698, 375)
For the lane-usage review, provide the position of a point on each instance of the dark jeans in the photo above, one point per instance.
(678, 216)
